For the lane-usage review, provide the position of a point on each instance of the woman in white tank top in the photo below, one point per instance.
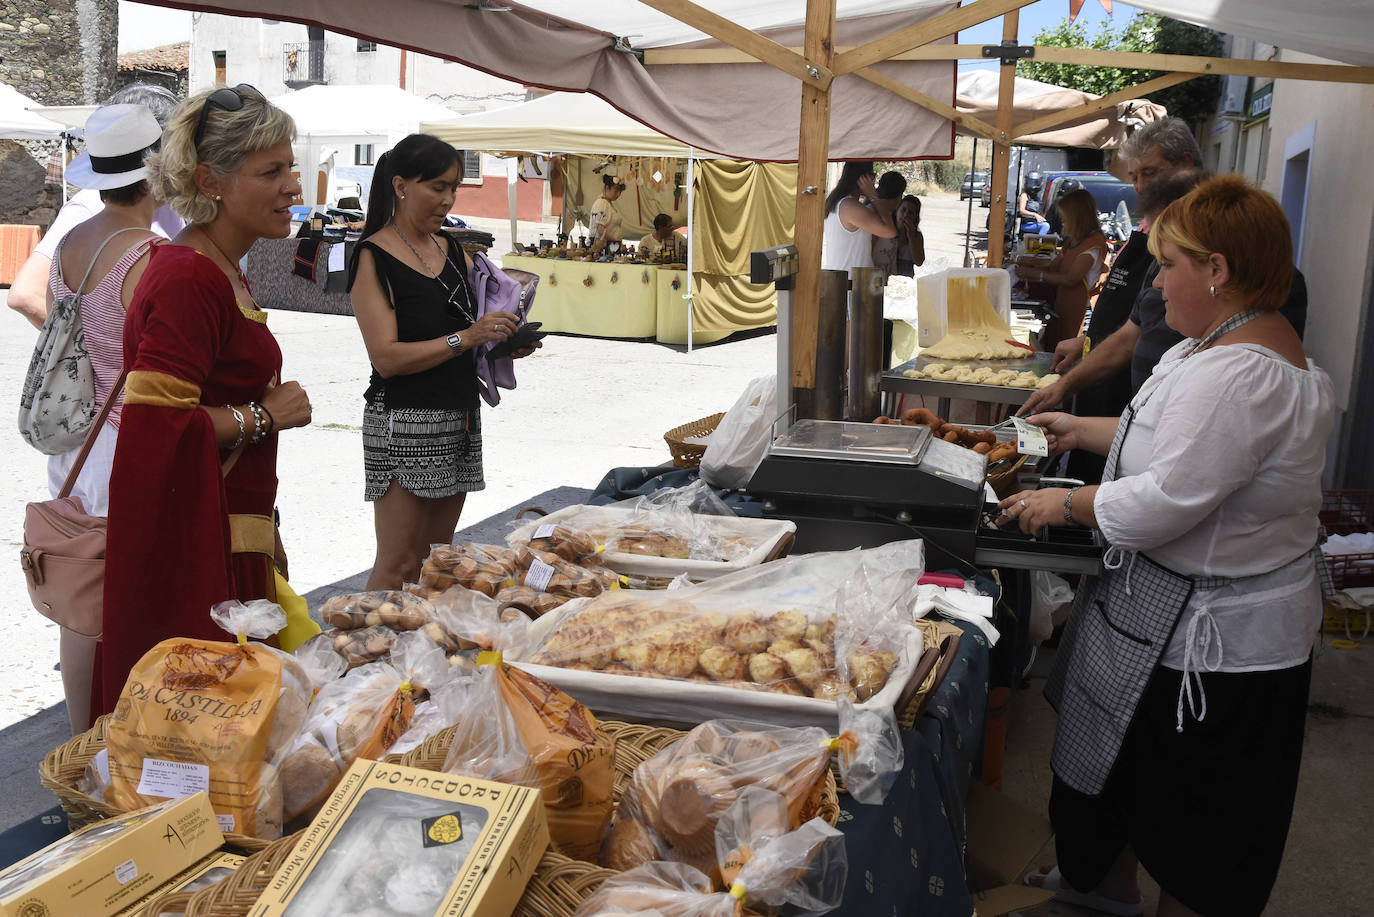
(849, 224)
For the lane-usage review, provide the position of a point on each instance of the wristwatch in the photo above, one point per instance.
(455, 342)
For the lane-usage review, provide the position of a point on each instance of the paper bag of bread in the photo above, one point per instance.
(213, 716)
(360, 715)
(522, 730)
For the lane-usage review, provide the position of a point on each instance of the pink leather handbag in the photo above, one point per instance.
(63, 557)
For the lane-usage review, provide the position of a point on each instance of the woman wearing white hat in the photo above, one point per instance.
(102, 260)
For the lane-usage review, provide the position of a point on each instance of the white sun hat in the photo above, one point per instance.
(117, 136)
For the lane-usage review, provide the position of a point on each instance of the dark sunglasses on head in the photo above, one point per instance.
(226, 99)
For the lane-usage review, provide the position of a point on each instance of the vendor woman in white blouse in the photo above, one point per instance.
(1219, 480)
(605, 222)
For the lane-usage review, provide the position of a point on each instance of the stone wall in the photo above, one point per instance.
(59, 52)
(24, 197)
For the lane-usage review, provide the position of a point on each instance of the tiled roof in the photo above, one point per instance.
(169, 58)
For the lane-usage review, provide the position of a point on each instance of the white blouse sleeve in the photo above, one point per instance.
(1215, 428)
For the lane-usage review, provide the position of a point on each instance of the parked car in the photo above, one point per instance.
(972, 185)
(1106, 189)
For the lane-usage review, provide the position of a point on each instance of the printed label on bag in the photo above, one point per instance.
(102, 765)
(544, 531)
(126, 872)
(173, 779)
(1030, 439)
(226, 823)
(539, 575)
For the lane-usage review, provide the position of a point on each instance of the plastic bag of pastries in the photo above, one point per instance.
(484, 568)
(445, 707)
(567, 542)
(522, 730)
(466, 620)
(666, 889)
(393, 609)
(549, 573)
(529, 601)
(714, 638)
(798, 872)
(671, 806)
(874, 603)
(360, 715)
(769, 867)
(234, 708)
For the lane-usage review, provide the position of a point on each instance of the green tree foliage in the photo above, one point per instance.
(1193, 101)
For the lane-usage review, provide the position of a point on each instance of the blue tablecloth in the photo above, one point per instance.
(906, 857)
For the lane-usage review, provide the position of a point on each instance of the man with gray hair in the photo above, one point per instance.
(1135, 340)
(29, 291)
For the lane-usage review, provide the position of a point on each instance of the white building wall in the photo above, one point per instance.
(1335, 253)
(255, 54)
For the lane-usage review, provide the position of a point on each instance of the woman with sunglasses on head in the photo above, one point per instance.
(422, 429)
(194, 478)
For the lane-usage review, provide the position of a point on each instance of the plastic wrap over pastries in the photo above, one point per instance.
(825, 626)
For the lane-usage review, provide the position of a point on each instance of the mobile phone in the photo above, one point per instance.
(524, 337)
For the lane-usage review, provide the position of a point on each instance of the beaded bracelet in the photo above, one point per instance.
(243, 433)
(259, 423)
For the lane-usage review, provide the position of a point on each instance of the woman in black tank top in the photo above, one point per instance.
(422, 432)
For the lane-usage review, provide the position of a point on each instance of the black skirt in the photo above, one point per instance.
(1206, 810)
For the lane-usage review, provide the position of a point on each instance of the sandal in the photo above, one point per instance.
(1053, 881)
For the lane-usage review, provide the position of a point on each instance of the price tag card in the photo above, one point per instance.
(173, 779)
(539, 575)
(1030, 439)
(544, 531)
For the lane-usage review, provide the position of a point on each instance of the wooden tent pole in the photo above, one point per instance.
(813, 152)
(1001, 146)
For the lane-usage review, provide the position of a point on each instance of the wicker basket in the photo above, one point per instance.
(685, 454)
(61, 772)
(559, 885)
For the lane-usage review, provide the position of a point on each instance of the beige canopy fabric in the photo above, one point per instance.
(741, 111)
(977, 96)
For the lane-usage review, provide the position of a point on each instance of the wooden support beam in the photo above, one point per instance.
(813, 152)
(1173, 63)
(1001, 148)
(922, 33)
(751, 43)
(1225, 66)
(968, 122)
(1051, 121)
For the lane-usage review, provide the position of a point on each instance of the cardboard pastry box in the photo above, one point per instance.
(107, 866)
(209, 871)
(1003, 840)
(404, 842)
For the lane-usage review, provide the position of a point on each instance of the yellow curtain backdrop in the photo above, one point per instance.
(740, 207)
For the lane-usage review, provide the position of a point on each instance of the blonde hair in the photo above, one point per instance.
(229, 138)
(1229, 216)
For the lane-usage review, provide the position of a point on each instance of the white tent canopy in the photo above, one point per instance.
(17, 122)
(560, 122)
(348, 111)
(331, 119)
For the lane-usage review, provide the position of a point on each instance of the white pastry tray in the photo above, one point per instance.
(683, 702)
(768, 534)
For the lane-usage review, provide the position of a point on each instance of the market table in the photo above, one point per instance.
(620, 301)
(276, 286)
(671, 294)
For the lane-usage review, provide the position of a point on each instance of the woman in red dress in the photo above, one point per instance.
(194, 478)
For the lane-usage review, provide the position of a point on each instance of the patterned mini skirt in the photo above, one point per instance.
(433, 453)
